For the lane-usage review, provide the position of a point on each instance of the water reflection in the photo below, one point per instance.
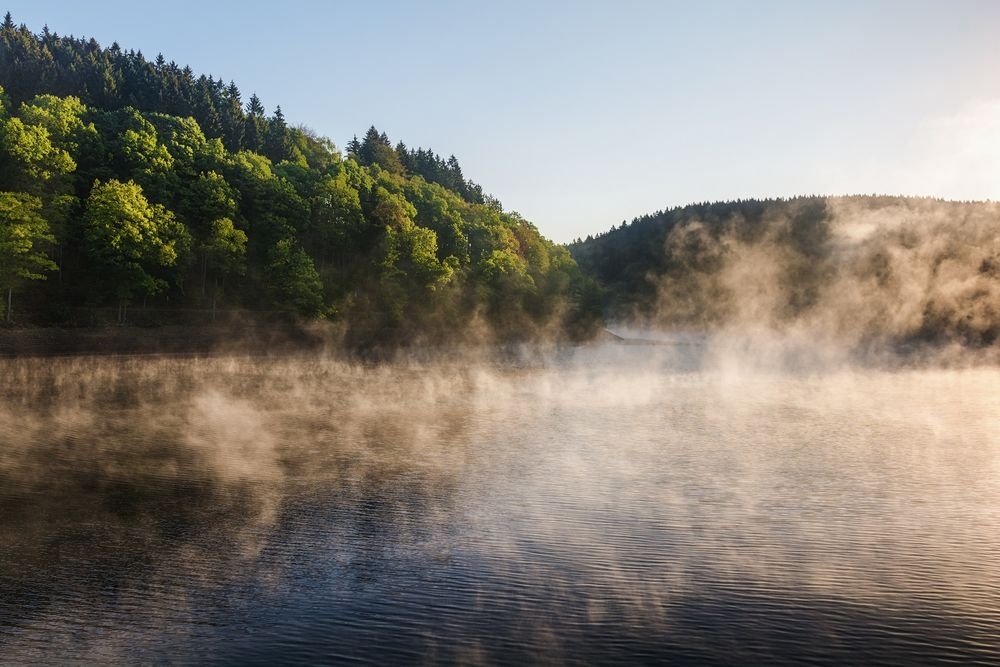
(615, 505)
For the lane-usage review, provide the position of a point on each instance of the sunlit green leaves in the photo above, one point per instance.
(226, 247)
(131, 239)
(292, 279)
(31, 149)
(24, 237)
(62, 118)
(152, 180)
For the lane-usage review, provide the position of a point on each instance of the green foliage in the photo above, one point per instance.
(226, 247)
(376, 149)
(30, 150)
(23, 235)
(153, 179)
(131, 240)
(410, 255)
(62, 117)
(293, 281)
(138, 145)
(505, 267)
(206, 198)
(181, 139)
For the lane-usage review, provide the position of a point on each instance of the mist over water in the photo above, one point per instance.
(672, 503)
(842, 279)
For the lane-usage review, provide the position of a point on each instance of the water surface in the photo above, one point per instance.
(611, 504)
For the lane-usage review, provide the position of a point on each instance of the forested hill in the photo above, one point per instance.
(111, 79)
(860, 270)
(127, 183)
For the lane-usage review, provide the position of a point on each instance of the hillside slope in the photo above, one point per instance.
(131, 190)
(856, 269)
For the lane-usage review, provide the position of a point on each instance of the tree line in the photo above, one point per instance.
(126, 182)
(868, 270)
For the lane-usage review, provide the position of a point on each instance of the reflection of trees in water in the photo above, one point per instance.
(478, 515)
(120, 473)
(89, 511)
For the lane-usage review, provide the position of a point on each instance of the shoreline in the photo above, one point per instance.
(256, 339)
(163, 340)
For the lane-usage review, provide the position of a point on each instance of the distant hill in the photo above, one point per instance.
(857, 269)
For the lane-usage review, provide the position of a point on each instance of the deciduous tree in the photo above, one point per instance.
(131, 240)
(24, 235)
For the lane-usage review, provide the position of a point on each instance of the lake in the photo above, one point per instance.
(605, 504)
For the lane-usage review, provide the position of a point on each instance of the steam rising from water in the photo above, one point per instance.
(838, 279)
(610, 501)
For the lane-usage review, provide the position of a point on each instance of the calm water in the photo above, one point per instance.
(618, 504)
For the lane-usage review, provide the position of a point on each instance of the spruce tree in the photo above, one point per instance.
(253, 125)
(277, 145)
(231, 113)
(354, 148)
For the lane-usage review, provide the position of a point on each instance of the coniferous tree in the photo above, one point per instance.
(377, 149)
(277, 146)
(232, 119)
(205, 111)
(253, 125)
(354, 148)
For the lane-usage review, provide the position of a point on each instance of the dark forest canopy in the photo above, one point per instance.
(129, 182)
(112, 78)
(860, 269)
(376, 148)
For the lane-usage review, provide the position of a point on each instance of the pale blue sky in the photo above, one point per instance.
(580, 115)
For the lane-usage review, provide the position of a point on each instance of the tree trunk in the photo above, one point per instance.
(204, 273)
(10, 305)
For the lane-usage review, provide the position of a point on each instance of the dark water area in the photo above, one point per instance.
(612, 504)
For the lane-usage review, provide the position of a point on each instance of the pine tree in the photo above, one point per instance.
(366, 154)
(377, 149)
(405, 157)
(354, 148)
(231, 113)
(455, 180)
(276, 147)
(254, 107)
(253, 125)
(206, 114)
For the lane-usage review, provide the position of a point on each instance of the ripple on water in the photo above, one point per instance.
(624, 510)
